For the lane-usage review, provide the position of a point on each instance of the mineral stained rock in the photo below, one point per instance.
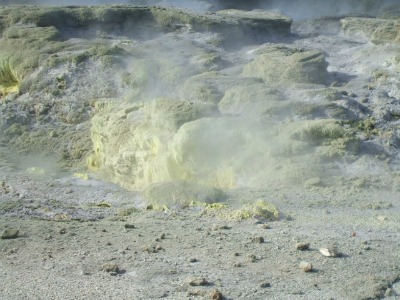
(377, 31)
(152, 95)
(285, 65)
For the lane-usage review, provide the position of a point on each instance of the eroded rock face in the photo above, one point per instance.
(165, 96)
(377, 31)
(285, 65)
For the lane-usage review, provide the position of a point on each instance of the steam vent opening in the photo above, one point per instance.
(236, 113)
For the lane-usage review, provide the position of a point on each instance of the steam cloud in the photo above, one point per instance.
(297, 9)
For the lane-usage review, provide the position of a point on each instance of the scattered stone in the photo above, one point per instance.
(220, 227)
(258, 240)
(251, 258)
(63, 231)
(158, 247)
(83, 271)
(237, 265)
(306, 266)
(330, 251)
(129, 226)
(192, 260)
(381, 218)
(149, 249)
(163, 236)
(198, 281)
(9, 234)
(264, 285)
(302, 246)
(216, 295)
(110, 268)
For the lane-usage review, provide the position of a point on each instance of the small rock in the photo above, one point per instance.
(237, 265)
(330, 251)
(149, 249)
(258, 240)
(129, 226)
(158, 247)
(198, 281)
(264, 285)
(251, 258)
(192, 260)
(216, 295)
(302, 246)
(9, 234)
(110, 268)
(163, 236)
(306, 266)
(63, 231)
(381, 218)
(220, 227)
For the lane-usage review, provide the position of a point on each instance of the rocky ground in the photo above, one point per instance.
(192, 155)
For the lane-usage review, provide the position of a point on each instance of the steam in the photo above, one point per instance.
(296, 9)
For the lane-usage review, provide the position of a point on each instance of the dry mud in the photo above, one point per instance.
(200, 158)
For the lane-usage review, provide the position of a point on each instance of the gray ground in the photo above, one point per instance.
(66, 243)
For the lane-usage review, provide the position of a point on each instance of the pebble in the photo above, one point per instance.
(258, 240)
(193, 260)
(302, 246)
(381, 218)
(330, 251)
(10, 234)
(198, 281)
(110, 268)
(251, 258)
(216, 295)
(306, 266)
(63, 231)
(264, 285)
(129, 226)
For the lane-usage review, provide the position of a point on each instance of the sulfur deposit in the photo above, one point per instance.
(166, 94)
